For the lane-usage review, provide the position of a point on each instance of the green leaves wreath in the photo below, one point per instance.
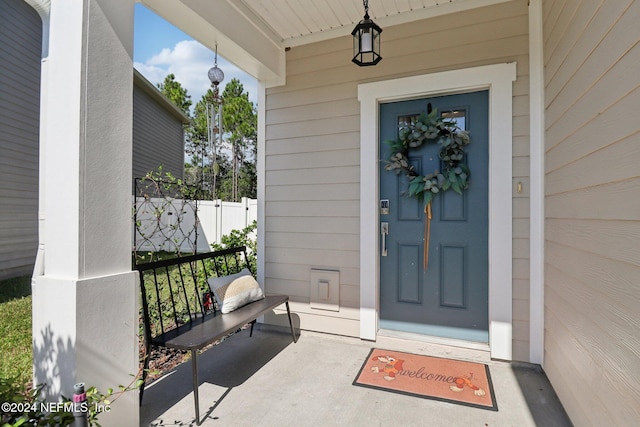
(430, 128)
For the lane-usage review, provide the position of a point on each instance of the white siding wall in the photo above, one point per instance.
(592, 291)
(312, 152)
(20, 47)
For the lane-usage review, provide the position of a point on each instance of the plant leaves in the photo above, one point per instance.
(431, 128)
(428, 197)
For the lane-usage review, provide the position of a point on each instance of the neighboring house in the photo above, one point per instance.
(158, 132)
(20, 53)
(558, 99)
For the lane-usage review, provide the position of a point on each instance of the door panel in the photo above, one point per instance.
(450, 298)
(452, 271)
(409, 275)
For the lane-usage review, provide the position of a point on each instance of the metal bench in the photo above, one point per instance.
(179, 312)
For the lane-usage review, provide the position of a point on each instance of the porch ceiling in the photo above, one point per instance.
(294, 23)
(253, 34)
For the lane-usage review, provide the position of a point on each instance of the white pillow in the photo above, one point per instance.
(235, 290)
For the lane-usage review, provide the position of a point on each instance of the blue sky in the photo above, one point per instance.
(159, 49)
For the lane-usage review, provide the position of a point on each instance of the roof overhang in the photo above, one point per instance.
(254, 34)
(239, 39)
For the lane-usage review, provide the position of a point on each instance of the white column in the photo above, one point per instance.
(85, 300)
(262, 173)
(536, 192)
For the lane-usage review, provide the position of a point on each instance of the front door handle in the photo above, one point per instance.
(384, 230)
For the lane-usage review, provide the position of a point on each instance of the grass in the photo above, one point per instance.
(15, 330)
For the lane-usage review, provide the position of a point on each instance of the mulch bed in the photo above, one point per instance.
(163, 360)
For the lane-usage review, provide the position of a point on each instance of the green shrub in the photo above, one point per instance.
(16, 287)
(245, 237)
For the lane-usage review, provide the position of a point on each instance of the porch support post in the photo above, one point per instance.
(369, 216)
(261, 175)
(84, 294)
(536, 192)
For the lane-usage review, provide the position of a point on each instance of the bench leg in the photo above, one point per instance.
(251, 331)
(194, 370)
(145, 369)
(293, 332)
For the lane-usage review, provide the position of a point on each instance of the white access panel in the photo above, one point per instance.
(324, 291)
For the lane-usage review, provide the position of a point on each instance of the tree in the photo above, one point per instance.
(203, 143)
(178, 95)
(226, 168)
(248, 180)
(239, 120)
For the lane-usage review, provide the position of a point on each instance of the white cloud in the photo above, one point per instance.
(150, 72)
(190, 61)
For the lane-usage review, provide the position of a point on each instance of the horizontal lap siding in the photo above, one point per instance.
(158, 137)
(20, 51)
(592, 295)
(312, 216)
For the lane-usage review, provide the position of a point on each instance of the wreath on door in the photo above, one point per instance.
(428, 129)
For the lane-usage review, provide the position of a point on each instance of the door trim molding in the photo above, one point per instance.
(498, 80)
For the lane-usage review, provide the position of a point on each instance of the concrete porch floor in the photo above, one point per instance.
(267, 380)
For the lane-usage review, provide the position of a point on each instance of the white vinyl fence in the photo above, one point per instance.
(169, 224)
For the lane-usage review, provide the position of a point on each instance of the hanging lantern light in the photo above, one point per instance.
(366, 40)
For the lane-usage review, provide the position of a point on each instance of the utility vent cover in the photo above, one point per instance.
(325, 289)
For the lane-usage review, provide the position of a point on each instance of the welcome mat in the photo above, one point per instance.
(447, 380)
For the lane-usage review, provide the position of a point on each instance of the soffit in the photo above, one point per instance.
(298, 22)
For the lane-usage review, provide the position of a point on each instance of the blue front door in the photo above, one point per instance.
(450, 298)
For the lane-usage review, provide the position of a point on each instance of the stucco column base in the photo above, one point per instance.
(84, 331)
